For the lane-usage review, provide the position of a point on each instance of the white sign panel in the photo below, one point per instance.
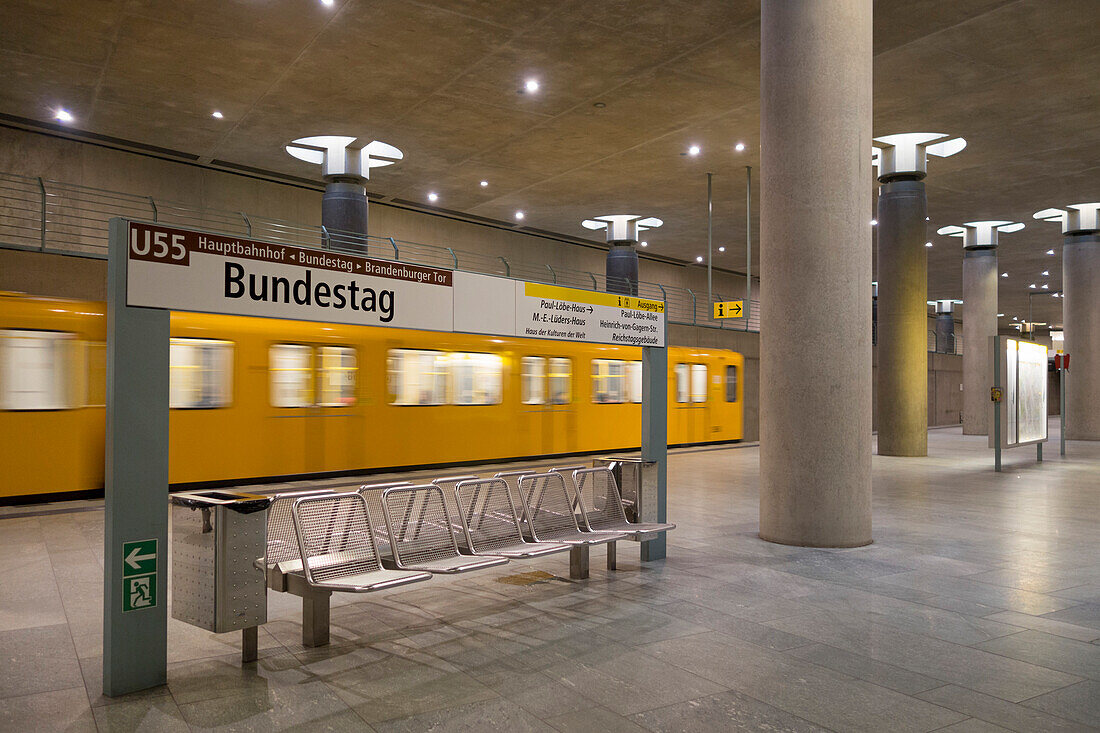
(178, 269)
(1023, 405)
(568, 314)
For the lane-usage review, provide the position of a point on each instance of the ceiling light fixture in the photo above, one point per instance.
(927, 244)
(484, 184)
(217, 115)
(531, 85)
(721, 249)
(63, 115)
(1046, 286)
(644, 244)
(1004, 274)
(699, 258)
(1000, 315)
(694, 150)
(328, 3)
(739, 147)
(1033, 286)
(874, 222)
(519, 216)
(1050, 251)
(433, 196)
(1046, 273)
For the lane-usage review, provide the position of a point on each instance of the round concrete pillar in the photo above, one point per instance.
(344, 214)
(1081, 321)
(979, 323)
(622, 268)
(945, 333)
(815, 391)
(902, 319)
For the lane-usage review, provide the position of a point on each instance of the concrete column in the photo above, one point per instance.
(344, 210)
(815, 403)
(945, 332)
(902, 319)
(979, 323)
(1081, 320)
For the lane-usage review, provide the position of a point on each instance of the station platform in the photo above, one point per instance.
(977, 608)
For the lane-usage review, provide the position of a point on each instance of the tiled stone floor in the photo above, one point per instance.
(977, 609)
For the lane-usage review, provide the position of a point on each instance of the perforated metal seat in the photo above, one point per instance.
(282, 554)
(421, 535)
(549, 512)
(373, 494)
(491, 524)
(512, 479)
(601, 505)
(337, 545)
(448, 484)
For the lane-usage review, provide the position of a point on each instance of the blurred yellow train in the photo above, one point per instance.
(256, 399)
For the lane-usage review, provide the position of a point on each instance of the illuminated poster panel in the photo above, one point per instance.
(1022, 372)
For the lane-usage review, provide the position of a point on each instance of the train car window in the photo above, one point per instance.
(417, 377)
(683, 387)
(561, 381)
(200, 373)
(37, 370)
(291, 367)
(607, 381)
(337, 376)
(533, 380)
(476, 379)
(698, 382)
(731, 383)
(633, 381)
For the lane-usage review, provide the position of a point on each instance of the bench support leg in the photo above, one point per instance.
(578, 562)
(315, 619)
(250, 644)
(611, 555)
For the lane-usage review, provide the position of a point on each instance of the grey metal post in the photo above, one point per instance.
(1062, 407)
(994, 346)
(578, 562)
(710, 241)
(655, 432)
(135, 642)
(748, 245)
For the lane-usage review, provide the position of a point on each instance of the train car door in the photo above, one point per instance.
(691, 392)
(335, 418)
(548, 414)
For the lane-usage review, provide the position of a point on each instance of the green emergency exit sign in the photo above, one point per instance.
(139, 575)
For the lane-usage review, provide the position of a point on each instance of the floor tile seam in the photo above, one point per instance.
(892, 665)
(745, 694)
(1052, 620)
(1027, 702)
(986, 602)
(1013, 587)
(370, 724)
(82, 688)
(1037, 664)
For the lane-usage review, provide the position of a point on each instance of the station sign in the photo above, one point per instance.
(729, 309)
(179, 269)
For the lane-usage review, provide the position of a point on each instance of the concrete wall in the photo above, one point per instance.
(944, 389)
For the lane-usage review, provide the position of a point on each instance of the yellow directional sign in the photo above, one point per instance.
(729, 309)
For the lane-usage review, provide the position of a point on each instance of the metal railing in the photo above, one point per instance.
(953, 345)
(65, 218)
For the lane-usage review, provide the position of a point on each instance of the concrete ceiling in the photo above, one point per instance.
(626, 87)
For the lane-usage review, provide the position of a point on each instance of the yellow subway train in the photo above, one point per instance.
(255, 399)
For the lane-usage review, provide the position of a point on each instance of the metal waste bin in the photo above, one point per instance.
(216, 538)
(637, 480)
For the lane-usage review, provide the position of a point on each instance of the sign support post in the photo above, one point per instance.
(135, 599)
(655, 431)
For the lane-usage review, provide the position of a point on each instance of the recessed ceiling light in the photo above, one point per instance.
(644, 244)
(928, 218)
(217, 115)
(927, 244)
(1046, 286)
(328, 3)
(433, 196)
(63, 115)
(699, 258)
(531, 85)
(484, 184)
(1000, 315)
(519, 215)
(1033, 285)
(874, 222)
(693, 150)
(1015, 318)
(739, 147)
(1046, 273)
(1004, 274)
(721, 249)
(1050, 251)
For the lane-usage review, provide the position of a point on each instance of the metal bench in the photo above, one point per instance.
(448, 484)
(373, 494)
(548, 509)
(512, 479)
(601, 508)
(421, 532)
(491, 524)
(320, 542)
